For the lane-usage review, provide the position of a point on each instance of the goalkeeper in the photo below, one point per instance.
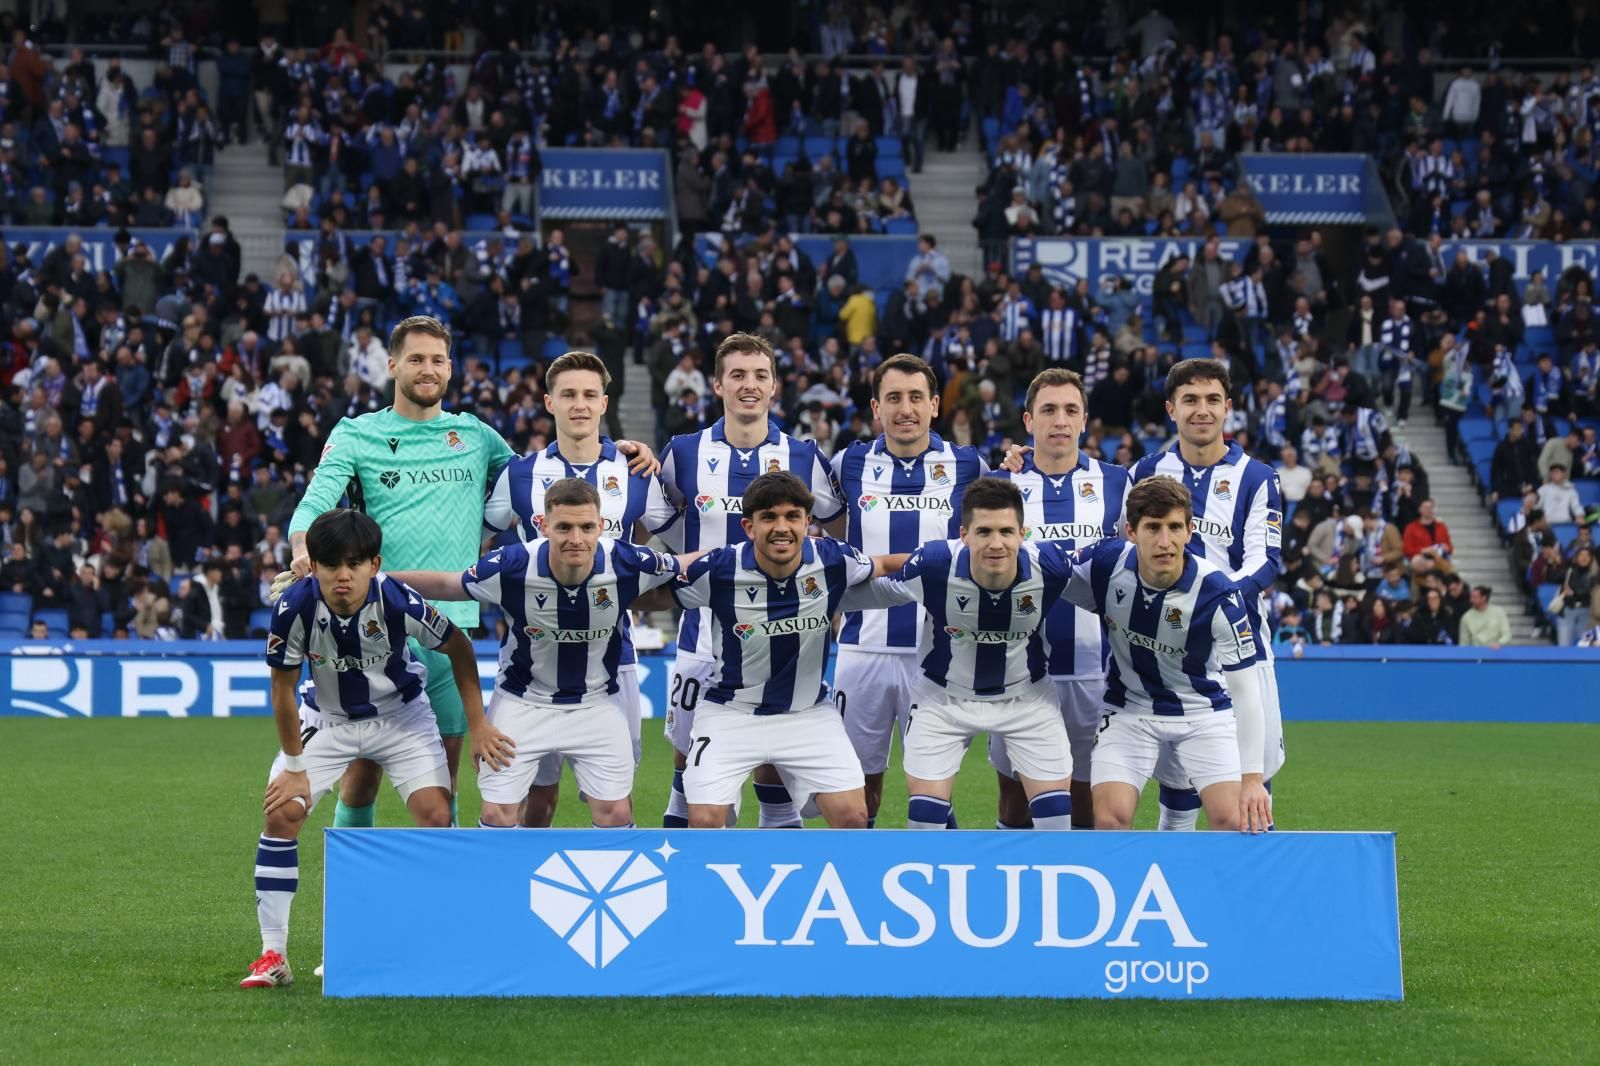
(422, 473)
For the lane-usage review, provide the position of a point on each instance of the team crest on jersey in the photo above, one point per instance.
(612, 486)
(810, 589)
(1222, 491)
(534, 632)
(274, 644)
(772, 466)
(453, 441)
(743, 630)
(939, 475)
(372, 630)
(1086, 490)
(867, 503)
(705, 503)
(1025, 604)
(602, 598)
(1175, 618)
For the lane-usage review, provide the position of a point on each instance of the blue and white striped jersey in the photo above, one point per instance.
(977, 642)
(517, 498)
(361, 666)
(706, 478)
(1169, 647)
(517, 501)
(563, 644)
(1073, 511)
(1238, 522)
(770, 639)
(897, 505)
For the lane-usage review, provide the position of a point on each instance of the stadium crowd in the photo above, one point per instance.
(161, 416)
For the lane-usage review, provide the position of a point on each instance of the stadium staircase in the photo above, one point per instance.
(248, 190)
(1479, 554)
(943, 197)
(637, 415)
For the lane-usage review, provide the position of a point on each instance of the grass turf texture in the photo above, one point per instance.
(128, 921)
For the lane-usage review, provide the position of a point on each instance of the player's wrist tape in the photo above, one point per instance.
(295, 764)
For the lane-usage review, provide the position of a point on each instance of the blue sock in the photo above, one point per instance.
(1180, 808)
(872, 821)
(950, 822)
(926, 812)
(1051, 810)
(777, 808)
(677, 816)
(277, 877)
(355, 817)
(455, 818)
(1000, 823)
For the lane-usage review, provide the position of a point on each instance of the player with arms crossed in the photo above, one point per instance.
(1238, 526)
(901, 491)
(366, 699)
(632, 508)
(983, 657)
(706, 476)
(771, 601)
(1073, 501)
(1180, 688)
(423, 473)
(557, 691)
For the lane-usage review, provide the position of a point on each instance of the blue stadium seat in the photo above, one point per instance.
(510, 356)
(1503, 513)
(55, 620)
(1588, 491)
(901, 227)
(13, 625)
(108, 625)
(1566, 532)
(891, 166)
(261, 619)
(1539, 337)
(14, 602)
(479, 223)
(554, 348)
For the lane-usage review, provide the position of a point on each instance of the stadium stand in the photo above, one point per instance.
(161, 413)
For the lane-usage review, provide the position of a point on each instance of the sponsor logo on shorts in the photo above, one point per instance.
(905, 503)
(599, 902)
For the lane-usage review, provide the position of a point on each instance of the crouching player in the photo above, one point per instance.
(984, 662)
(1181, 686)
(366, 699)
(556, 693)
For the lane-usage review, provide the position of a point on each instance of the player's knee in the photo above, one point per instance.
(851, 817)
(610, 813)
(1223, 820)
(1105, 817)
(704, 818)
(285, 822)
(499, 815)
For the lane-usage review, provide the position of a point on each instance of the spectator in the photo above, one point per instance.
(1558, 497)
(930, 268)
(1577, 606)
(1427, 541)
(1486, 624)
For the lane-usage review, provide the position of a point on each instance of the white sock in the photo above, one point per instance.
(777, 808)
(677, 815)
(1180, 809)
(277, 877)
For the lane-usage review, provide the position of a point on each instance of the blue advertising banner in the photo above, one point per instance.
(1308, 189)
(98, 242)
(1067, 260)
(1526, 257)
(885, 913)
(205, 679)
(626, 183)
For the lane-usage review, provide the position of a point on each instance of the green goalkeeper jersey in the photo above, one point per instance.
(424, 483)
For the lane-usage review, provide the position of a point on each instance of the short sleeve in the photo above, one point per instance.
(498, 514)
(693, 587)
(422, 619)
(1080, 587)
(650, 568)
(482, 580)
(659, 511)
(829, 498)
(1231, 633)
(286, 635)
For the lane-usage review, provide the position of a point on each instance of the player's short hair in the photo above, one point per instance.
(571, 492)
(1051, 378)
(343, 535)
(1157, 497)
(577, 361)
(990, 494)
(904, 363)
(743, 344)
(1192, 371)
(774, 490)
(426, 325)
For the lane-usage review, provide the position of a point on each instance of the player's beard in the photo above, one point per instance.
(408, 390)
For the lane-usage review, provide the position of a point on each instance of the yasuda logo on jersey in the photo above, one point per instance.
(1077, 532)
(904, 503)
(730, 504)
(599, 902)
(781, 627)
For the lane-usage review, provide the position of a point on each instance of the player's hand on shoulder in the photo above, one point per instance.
(300, 564)
(1014, 458)
(641, 460)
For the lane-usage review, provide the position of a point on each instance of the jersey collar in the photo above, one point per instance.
(1029, 467)
(608, 451)
(719, 432)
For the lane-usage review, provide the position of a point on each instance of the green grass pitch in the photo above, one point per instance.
(128, 919)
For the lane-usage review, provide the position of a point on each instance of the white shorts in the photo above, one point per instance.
(1267, 678)
(549, 771)
(1082, 702)
(1204, 748)
(594, 738)
(809, 748)
(405, 744)
(872, 690)
(686, 685)
(940, 728)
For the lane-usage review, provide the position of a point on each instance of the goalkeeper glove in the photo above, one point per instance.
(280, 585)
